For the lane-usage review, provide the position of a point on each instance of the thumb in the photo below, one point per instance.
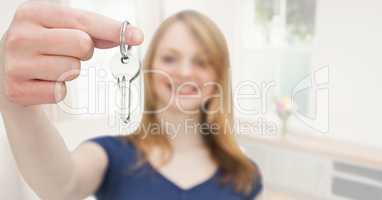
(133, 35)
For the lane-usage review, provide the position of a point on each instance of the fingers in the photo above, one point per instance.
(45, 44)
(66, 42)
(32, 92)
(99, 27)
(103, 44)
(45, 67)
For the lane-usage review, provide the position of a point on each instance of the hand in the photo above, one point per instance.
(43, 48)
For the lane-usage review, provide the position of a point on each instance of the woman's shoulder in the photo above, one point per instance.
(110, 141)
(121, 155)
(115, 146)
(257, 183)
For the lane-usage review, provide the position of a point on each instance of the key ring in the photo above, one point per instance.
(125, 52)
(124, 48)
(121, 78)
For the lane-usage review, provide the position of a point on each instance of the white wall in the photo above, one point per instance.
(10, 182)
(349, 41)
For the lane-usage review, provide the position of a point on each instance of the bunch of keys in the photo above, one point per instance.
(121, 67)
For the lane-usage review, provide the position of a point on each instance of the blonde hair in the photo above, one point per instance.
(236, 167)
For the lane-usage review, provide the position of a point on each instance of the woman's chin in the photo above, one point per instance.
(186, 104)
(182, 103)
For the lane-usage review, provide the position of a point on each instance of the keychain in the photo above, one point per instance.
(121, 68)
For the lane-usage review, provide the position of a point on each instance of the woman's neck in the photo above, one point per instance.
(182, 129)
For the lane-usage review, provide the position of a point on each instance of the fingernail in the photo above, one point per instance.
(59, 91)
(134, 36)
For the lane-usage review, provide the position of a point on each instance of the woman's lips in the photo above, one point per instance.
(187, 90)
(184, 90)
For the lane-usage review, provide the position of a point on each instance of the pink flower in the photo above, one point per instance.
(284, 107)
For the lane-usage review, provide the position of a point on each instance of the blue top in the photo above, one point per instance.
(123, 182)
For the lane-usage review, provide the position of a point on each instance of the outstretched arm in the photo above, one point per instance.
(44, 42)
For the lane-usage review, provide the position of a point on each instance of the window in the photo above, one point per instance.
(279, 22)
(275, 50)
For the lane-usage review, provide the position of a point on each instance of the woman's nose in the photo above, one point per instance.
(185, 69)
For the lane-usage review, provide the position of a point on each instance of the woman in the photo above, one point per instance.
(187, 79)
(184, 147)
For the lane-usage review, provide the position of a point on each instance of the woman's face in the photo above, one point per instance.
(183, 78)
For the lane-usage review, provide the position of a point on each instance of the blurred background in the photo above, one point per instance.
(305, 84)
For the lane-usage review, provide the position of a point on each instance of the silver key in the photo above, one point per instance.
(125, 69)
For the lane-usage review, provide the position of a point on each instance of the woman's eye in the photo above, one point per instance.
(168, 59)
(199, 62)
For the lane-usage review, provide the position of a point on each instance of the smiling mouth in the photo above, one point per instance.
(184, 90)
